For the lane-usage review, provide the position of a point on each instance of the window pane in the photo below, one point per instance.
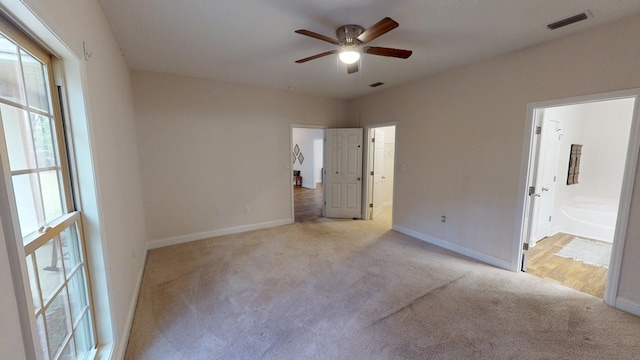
(18, 137)
(84, 336)
(43, 140)
(10, 81)
(33, 281)
(77, 294)
(69, 351)
(58, 322)
(51, 276)
(36, 83)
(70, 248)
(51, 195)
(30, 211)
(42, 337)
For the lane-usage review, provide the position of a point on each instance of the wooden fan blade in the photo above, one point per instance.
(352, 68)
(318, 36)
(383, 51)
(316, 56)
(382, 27)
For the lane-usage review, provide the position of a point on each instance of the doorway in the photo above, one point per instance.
(307, 151)
(581, 164)
(381, 141)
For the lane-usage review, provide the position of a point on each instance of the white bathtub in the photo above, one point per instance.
(589, 217)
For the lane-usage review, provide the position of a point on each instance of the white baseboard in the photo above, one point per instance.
(627, 305)
(488, 259)
(309, 185)
(124, 339)
(154, 244)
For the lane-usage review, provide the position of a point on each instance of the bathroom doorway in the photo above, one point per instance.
(579, 157)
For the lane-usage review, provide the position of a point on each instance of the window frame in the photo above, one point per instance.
(25, 244)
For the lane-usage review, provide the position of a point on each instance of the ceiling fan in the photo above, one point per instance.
(351, 38)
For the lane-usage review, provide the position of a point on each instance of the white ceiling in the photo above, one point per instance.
(253, 41)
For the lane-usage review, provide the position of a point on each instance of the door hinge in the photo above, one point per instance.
(532, 190)
(325, 203)
(549, 218)
(372, 173)
(538, 130)
(373, 139)
(370, 205)
(525, 246)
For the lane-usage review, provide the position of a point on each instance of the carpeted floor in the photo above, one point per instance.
(357, 290)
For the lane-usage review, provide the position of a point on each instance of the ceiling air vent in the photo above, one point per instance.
(570, 20)
(376, 84)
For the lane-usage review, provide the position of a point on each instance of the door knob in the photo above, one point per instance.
(358, 179)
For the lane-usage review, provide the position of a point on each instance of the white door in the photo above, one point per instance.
(546, 179)
(343, 173)
(378, 172)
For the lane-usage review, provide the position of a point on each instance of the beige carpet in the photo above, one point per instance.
(357, 290)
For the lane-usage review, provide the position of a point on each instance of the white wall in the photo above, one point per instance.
(460, 133)
(603, 130)
(318, 159)
(203, 142)
(104, 137)
(606, 135)
(306, 139)
(387, 171)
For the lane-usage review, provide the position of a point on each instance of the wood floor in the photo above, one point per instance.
(307, 203)
(577, 275)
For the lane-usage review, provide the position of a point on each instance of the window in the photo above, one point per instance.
(33, 149)
(574, 164)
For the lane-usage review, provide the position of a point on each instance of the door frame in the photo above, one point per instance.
(290, 165)
(528, 172)
(368, 167)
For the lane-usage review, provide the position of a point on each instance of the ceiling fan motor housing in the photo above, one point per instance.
(348, 34)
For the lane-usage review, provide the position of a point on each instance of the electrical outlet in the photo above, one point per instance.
(219, 212)
(246, 209)
(443, 219)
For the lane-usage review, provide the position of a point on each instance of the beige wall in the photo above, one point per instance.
(107, 151)
(206, 145)
(460, 137)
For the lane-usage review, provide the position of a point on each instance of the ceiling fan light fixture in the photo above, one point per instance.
(349, 56)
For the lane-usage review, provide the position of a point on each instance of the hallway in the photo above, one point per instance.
(307, 203)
